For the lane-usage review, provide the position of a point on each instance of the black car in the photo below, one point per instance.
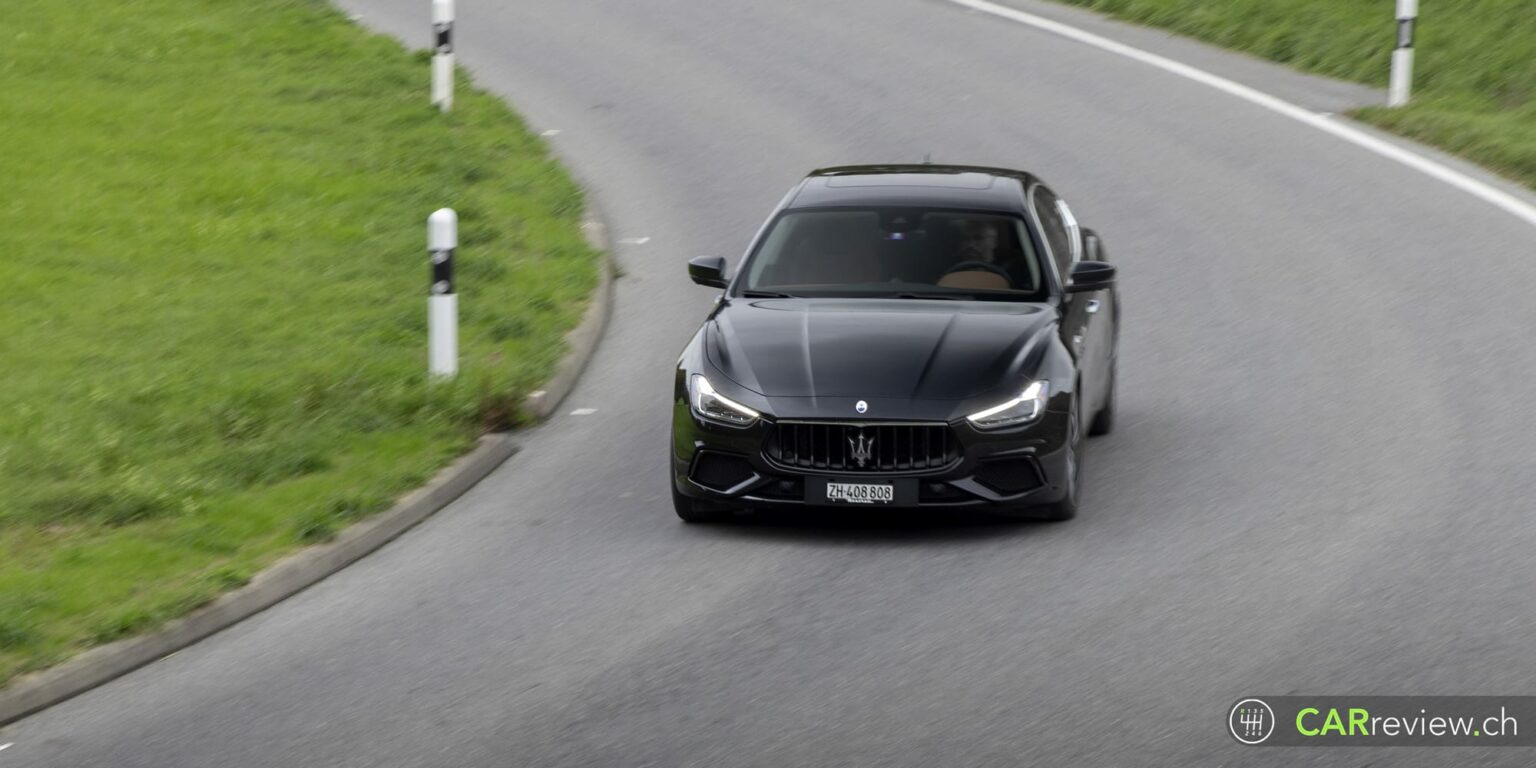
(901, 336)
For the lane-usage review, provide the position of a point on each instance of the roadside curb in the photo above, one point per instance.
(582, 340)
(302, 569)
(282, 580)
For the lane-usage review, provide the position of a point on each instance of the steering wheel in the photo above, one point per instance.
(979, 266)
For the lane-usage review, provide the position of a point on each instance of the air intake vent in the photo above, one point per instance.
(720, 471)
(1010, 476)
(853, 448)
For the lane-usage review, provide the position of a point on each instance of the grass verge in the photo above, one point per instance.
(215, 319)
(1475, 83)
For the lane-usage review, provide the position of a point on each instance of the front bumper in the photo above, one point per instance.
(996, 471)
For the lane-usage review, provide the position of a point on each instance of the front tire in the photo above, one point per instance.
(694, 511)
(1104, 420)
(1066, 508)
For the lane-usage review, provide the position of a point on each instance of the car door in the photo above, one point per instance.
(1101, 308)
(1105, 325)
(1080, 330)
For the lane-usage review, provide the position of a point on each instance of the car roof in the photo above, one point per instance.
(974, 187)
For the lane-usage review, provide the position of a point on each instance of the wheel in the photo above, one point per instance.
(1104, 420)
(1066, 508)
(695, 511)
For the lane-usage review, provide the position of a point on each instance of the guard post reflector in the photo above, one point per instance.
(1401, 86)
(442, 54)
(443, 298)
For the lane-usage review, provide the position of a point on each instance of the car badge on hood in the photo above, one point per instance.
(863, 448)
(861, 406)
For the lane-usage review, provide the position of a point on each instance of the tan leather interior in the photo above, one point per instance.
(975, 278)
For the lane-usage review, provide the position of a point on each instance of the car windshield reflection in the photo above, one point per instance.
(899, 253)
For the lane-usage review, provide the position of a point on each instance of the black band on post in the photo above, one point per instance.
(444, 33)
(442, 272)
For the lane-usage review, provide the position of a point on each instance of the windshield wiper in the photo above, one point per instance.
(765, 295)
(936, 296)
(1011, 296)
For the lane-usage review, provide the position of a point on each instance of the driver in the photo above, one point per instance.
(978, 263)
(978, 241)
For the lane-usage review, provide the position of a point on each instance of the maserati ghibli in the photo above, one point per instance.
(917, 336)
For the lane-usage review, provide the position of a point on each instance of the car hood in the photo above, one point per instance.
(874, 348)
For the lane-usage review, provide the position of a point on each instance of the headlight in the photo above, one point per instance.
(712, 405)
(1021, 410)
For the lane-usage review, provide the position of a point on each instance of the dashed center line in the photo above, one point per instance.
(583, 411)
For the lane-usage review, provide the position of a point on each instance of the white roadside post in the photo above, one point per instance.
(1402, 56)
(443, 304)
(442, 54)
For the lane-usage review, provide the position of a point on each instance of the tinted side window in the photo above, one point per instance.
(1054, 229)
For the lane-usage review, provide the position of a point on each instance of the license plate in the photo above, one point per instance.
(861, 493)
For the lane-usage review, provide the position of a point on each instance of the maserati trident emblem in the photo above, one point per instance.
(861, 406)
(863, 448)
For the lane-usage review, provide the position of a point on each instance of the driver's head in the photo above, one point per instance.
(978, 240)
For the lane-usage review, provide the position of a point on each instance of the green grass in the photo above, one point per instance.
(1475, 83)
(214, 327)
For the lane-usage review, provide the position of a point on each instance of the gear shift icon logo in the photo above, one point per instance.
(1251, 721)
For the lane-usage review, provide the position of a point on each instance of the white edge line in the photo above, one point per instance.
(4, 747)
(1465, 183)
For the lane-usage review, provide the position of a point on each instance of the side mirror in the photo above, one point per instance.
(1091, 276)
(708, 270)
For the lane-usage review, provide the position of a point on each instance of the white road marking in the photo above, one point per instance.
(635, 240)
(1465, 183)
(4, 747)
(583, 411)
(551, 132)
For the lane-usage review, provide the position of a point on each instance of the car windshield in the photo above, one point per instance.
(895, 253)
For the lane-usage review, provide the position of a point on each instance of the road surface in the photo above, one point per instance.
(1321, 480)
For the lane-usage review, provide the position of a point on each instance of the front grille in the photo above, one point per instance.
(836, 447)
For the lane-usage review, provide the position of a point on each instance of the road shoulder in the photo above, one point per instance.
(40, 690)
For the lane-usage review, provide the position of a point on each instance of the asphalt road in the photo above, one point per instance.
(1321, 479)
